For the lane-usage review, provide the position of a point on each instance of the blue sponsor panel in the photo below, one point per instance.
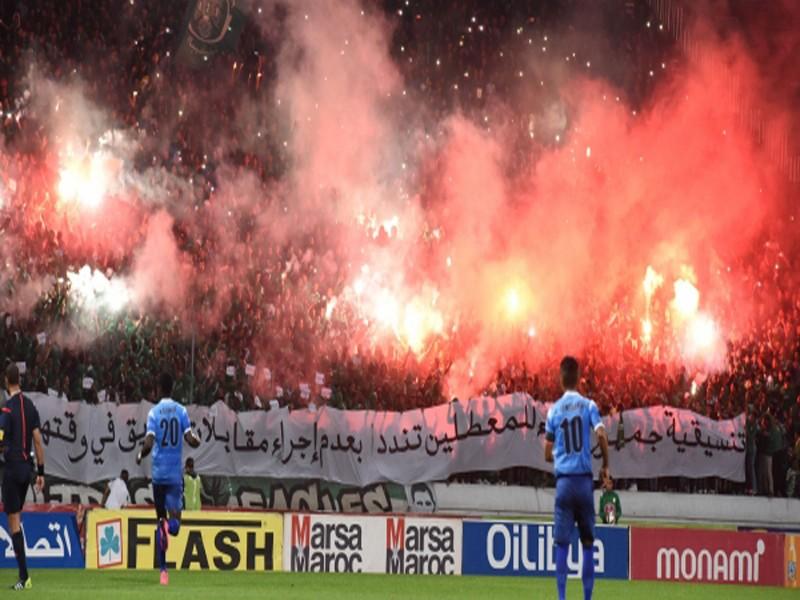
(51, 541)
(520, 548)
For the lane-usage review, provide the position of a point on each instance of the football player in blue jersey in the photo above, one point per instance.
(168, 426)
(570, 422)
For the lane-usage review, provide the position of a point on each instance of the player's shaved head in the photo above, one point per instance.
(165, 385)
(570, 372)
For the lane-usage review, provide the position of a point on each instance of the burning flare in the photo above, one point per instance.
(93, 291)
(687, 298)
(652, 281)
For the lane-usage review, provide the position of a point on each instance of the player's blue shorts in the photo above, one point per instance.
(168, 498)
(574, 504)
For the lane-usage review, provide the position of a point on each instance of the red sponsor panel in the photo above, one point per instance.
(707, 556)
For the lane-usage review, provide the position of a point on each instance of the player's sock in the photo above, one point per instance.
(19, 551)
(161, 546)
(561, 570)
(174, 526)
(588, 572)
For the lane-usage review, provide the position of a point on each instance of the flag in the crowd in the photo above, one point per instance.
(211, 26)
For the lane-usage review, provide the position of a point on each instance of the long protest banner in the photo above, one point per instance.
(88, 443)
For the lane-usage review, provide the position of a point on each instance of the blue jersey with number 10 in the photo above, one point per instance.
(569, 426)
(168, 421)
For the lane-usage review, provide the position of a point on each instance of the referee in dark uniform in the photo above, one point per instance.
(19, 434)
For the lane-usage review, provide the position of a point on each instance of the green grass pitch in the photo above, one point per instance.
(86, 585)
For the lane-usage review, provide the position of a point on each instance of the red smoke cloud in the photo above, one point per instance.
(518, 253)
(680, 182)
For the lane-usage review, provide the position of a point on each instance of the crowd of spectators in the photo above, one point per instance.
(126, 63)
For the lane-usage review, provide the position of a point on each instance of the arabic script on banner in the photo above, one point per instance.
(91, 443)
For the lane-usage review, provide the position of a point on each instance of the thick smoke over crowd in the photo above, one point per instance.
(573, 223)
(468, 236)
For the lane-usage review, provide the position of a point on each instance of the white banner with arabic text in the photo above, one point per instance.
(88, 443)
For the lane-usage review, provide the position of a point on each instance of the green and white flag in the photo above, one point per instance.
(211, 26)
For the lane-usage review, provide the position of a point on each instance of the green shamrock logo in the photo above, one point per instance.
(109, 542)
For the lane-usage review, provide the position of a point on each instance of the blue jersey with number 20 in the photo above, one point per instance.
(569, 426)
(168, 421)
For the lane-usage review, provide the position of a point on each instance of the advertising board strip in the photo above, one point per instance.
(372, 544)
(207, 541)
(522, 548)
(51, 541)
(708, 556)
(791, 579)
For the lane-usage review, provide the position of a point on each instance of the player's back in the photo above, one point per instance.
(570, 421)
(168, 421)
(18, 419)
